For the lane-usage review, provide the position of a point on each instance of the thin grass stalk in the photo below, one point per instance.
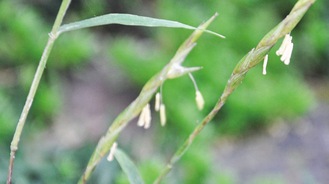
(34, 86)
(250, 60)
(148, 91)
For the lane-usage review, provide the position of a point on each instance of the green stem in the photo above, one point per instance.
(254, 57)
(34, 86)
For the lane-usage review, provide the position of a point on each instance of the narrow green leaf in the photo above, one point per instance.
(126, 19)
(128, 167)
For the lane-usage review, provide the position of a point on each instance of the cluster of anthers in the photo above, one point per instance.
(176, 70)
(145, 116)
(144, 119)
(284, 51)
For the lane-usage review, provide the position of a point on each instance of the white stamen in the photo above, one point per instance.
(286, 41)
(157, 102)
(147, 116)
(141, 119)
(163, 115)
(199, 100)
(265, 64)
(285, 49)
(198, 96)
(287, 54)
(110, 157)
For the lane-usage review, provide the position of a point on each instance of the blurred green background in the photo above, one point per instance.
(93, 74)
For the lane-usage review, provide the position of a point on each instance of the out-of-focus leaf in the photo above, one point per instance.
(128, 167)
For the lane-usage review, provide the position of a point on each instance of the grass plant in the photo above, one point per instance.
(172, 70)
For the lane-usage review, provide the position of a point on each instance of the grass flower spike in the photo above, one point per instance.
(250, 60)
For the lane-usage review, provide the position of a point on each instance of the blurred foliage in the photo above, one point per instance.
(23, 35)
(313, 47)
(282, 92)
(26, 29)
(47, 166)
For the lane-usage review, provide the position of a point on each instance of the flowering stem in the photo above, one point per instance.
(245, 64)
(34, 86)
(150, 88)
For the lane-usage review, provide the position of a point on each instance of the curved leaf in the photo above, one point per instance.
(126, 19)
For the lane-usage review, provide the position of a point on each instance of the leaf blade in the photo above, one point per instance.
(128, 167)
(123, 19)
(128, 20)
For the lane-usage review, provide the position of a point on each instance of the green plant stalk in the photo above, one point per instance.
(254, 57)
(150, 88)
(34, 86)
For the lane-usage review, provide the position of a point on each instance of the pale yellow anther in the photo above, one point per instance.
(145, 117)
(163, 118)
(265, 64)
(110, 157)
(285, 49)
(141, 120)
(287, 54)
(157, 102)
(199, 100)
